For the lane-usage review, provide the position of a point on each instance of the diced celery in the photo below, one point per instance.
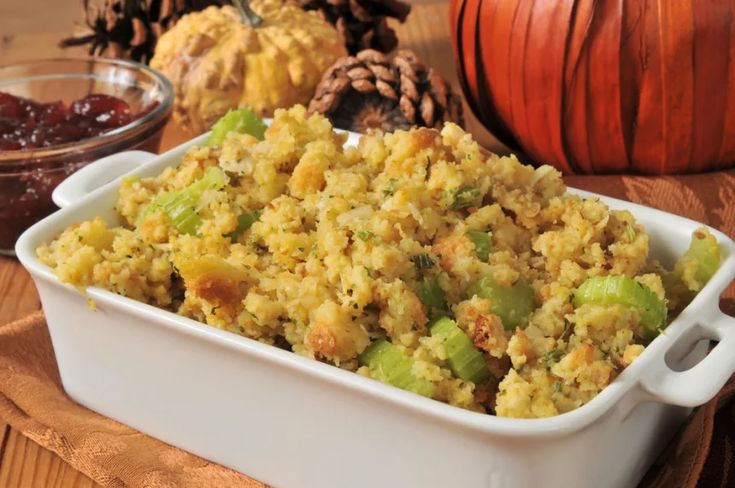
(466, 197)
(511, 303)
(483, 245)
(130, 180)
(214, 178)
(181, 206)
(370, 355)
(181, 210)
(244, 222)
(700, 262)
(552, 357)
(390, 365)
(433, 297)
(365, 235)
(466, 361)
(390, 188)
(621, 290)
(242, 120)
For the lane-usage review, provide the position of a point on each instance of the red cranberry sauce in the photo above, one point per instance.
(27, 124)
(25, 189)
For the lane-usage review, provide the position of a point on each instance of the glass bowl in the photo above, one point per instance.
(27, 177)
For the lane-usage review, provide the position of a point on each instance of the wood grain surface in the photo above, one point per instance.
(30, 29)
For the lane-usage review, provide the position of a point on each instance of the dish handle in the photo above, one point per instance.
(96, 175)
(700, 383)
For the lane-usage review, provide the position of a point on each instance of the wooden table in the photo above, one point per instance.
(30, 29)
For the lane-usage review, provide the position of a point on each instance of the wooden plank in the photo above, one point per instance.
(26, 464)
(4, 429)
(32, 30)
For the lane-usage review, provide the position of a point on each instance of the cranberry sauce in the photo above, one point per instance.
(27, 124)
(27, 180)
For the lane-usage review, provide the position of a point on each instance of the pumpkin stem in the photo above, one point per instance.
(248, 14)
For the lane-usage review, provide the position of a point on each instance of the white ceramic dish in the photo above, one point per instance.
(293, 422)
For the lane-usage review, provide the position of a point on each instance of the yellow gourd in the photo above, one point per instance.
(217, 60)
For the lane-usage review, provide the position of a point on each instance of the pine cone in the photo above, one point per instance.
(130, 28)
(362, 23)
(371, 91)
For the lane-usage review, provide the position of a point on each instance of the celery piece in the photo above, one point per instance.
(365, 235)
(433, 297)
(621, 290)
(244, 222)
(180, 206)
(511, 303)
(181, 211)
(483, 246)
(466, 197)
(552, 357)
(130, 180)
(466, 361)
(390, 188)
(242, 120)
(700, 262)
(214, 178)
(389, 364)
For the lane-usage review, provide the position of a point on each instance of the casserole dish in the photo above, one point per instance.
(290, 421)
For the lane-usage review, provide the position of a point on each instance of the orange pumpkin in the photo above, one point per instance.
(605, 86)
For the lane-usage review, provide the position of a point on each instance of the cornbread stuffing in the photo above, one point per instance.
(416, 258)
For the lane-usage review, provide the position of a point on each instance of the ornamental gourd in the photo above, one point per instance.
(269, 57)
(637, 86)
